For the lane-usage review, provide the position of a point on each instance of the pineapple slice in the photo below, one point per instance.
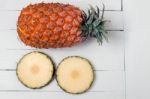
(75, 74)
(35, 70)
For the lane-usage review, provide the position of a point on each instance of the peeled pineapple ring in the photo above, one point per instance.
(75, 75)
(35, 70)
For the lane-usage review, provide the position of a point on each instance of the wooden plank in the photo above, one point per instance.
(104, 81)
(109, 56)
(19, 4)
(58, 95)
(8, 20)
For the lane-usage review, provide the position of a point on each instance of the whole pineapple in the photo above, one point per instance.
(57, 25)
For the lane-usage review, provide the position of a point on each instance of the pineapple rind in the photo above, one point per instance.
(39, 28)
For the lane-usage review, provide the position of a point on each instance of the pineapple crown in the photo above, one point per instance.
(93, 24)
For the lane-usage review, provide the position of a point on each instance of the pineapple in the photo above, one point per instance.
(75, 74)
(58, 25)
(35, 70)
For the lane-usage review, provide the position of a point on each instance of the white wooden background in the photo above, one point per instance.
(108, 59)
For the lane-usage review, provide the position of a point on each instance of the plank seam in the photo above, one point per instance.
(40, 91)
(100, 10)
(106, 30)
(125, 84)
(102, 70)
(121, 5)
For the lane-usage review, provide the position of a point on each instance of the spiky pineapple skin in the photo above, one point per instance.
(50, 25)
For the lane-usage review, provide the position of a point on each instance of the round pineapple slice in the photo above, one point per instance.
(35, 70)
(75, 75)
